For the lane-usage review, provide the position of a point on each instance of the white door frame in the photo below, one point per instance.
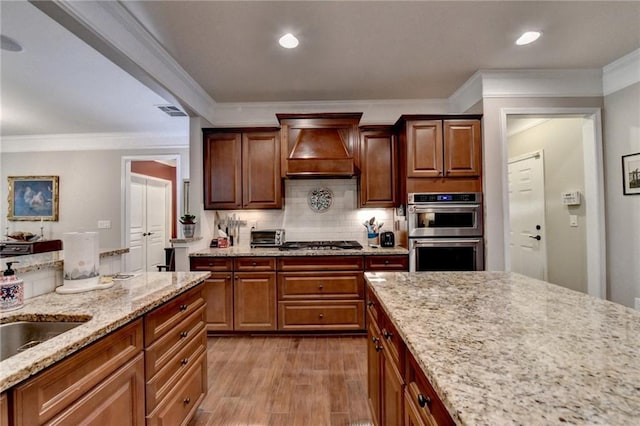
(594, 188)
(125, 215)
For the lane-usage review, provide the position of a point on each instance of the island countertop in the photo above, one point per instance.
(501, 348)
(106, 310)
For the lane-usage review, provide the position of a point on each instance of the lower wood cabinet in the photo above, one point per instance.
(4, 409)
(219, 294)
(254, 301)
(103, 383)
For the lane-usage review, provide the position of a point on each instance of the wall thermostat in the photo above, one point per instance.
(571, 198)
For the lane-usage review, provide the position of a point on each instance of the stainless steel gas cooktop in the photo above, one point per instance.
(321, 245)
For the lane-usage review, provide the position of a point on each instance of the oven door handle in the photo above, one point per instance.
(416, 208)
(456, 242)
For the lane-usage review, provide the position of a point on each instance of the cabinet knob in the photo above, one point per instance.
(370, 304)
(319, 286)
(186, 401)
(387, 335)
(423, 401)
(254, 264)
(228, 277)
(375, 340)
(378, 348)
(386, 262)
(183, 334)
(321, 316)
(183, 308)
(184, 361)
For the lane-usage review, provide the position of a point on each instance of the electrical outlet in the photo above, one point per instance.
(104, 224)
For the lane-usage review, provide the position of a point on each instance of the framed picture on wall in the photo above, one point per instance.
(33, 198)
(631, 174)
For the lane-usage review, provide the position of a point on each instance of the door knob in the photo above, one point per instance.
(537, 237)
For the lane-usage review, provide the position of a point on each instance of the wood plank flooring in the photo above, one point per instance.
(306, 381)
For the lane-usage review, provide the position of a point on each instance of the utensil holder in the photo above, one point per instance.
(373, 239)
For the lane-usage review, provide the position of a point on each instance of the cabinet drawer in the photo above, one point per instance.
(334, 315)
(424, 397)
(166, 317)
(215, 264)
(257, 264)
(373, 306)
(320, 285)
(116, 401)
(165, 380)
(321, 263)
(386, 263)
(181, 404)
(392, 341)
(166, 347)
(39, 399)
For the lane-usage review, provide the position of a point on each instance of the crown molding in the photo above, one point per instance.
(541, 83)
(469, 94)
(374, 111)
(621, 73)
(110, 28)
(93, 142)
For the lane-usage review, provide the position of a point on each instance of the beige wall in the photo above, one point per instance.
(621, 122)
(561, 141)
(90, 188)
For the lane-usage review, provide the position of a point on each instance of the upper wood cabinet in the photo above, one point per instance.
(438, 148)
(242, 168)
(378, 167)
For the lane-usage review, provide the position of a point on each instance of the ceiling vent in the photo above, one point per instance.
(172, 111)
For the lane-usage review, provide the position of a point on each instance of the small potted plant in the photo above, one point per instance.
(188, 222)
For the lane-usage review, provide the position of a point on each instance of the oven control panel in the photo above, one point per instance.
(441, 197)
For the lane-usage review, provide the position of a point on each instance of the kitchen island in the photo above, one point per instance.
(501, 348)
(103, 310)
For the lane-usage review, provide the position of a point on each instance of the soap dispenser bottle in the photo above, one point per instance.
(11, 290)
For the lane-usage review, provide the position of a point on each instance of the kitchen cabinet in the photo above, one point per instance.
(4, 409)
(378, 167)
(321, 293)
(385, 361)
(254, 290)
(218, 290)
(440, 153)
(104, 380)
(175, 359)
(242, 168)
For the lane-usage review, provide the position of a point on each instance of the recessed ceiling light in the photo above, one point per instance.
(288, 41)
(528, 37)
(9, 44)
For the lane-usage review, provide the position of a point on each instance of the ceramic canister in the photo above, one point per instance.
(11, 293)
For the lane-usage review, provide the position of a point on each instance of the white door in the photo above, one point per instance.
(526, 215)
(149, 217)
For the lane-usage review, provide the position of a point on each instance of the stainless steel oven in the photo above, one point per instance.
(445, 231)
(445, 214)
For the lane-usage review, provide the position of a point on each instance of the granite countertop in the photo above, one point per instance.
(49, 260)
(237, 251)
(106, 310)
(501, 348)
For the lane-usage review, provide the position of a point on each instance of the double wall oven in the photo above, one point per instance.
(445, 232)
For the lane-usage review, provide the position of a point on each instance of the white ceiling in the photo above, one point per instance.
(348, 51)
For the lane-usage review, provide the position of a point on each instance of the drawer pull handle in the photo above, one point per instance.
(183, 307)
(184, 361)
(387, 335)
(183, 334)
(378, 348)
(321, 316)
(228, 277)
(370, 304)
(254, 264)
(423, 401)
(319, 286)
(186, 401)
(386, 262)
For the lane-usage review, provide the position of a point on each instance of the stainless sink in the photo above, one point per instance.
(19, 336)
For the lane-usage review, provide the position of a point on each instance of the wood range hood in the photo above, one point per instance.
(319, 145)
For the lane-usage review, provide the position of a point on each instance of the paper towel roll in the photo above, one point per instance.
(81, 262)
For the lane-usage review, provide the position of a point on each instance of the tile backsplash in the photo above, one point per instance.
(342, 221)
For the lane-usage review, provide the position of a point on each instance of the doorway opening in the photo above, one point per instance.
(154, 179)
(550, 153)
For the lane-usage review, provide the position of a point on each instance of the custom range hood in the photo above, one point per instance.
(319, 145)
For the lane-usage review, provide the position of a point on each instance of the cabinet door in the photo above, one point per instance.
(374, 348)
(117, 401)
(462, 148)
(254, 301)
(4, 410)
(223, 171)
(412, 414)
(261, 184)
(218, 290)
(378, 168)
(424, 148)
(392, 392)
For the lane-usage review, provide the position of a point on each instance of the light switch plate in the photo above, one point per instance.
(573, 220)
(104, 224)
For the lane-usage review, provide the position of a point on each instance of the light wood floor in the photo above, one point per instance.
(306, 381)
